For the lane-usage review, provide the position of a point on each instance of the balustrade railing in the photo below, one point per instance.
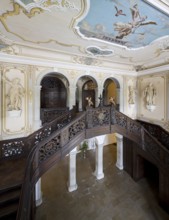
(18, 147)
(43, 156)
(49, 114)
(158, 132)
(61, 137)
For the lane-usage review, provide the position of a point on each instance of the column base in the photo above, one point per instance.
(98, 176)
(72, 188)
(38, 202)
(120, 167)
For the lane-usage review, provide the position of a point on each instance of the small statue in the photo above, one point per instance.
(150, 94)
(112, 101)
(15, 94)
(131, 95)
(89, 100)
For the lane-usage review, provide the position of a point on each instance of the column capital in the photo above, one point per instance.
(119, 136)
(100, 139)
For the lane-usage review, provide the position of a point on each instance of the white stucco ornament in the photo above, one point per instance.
(15, 94)
(150, 95)
(151, 108)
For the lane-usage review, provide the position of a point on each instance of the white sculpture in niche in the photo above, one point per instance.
(15, 94)
(150, 94)
(131, 100)
(89, 100)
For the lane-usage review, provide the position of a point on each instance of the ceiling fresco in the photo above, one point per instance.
(128, 23)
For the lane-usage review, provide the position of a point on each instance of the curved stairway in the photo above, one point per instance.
(47, 148)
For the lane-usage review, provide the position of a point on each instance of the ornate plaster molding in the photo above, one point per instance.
(86, 61)
(47, 5)
(97, 51)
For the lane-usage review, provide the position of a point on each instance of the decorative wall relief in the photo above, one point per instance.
(131, 95)
(14, 96)
(152, 98)
(14, 99)
(87, 61)
(150, 94)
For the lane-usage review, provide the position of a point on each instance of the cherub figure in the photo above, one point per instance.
(112, 101)
(89, 100)
(15, 94)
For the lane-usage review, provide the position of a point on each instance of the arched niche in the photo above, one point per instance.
(111, 89)
(53, 96)
(86, 87)
(53, 92)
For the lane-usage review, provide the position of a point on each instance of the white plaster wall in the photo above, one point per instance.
(159, 83)
(109, 139)
(14, 126)
(31, 75)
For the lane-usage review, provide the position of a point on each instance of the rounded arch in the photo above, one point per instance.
(53, 92)
(37, 91)
(86, 86)
(111, 89)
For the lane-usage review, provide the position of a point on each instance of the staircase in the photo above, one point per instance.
(51, 143)
(11, 176)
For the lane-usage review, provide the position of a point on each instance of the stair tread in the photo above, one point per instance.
(7, 210)
(9, 196)
(11, 173)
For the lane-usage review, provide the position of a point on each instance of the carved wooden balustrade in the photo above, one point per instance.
(53, 146)
(19, 147)
(49, 114)
(158, 132)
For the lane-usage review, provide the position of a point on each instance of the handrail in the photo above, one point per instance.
(39, 155)
(19, 147)
(55, 146)
(157, 131)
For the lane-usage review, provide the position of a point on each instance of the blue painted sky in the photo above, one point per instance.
(101, 19)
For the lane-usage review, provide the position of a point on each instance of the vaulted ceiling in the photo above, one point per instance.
(120, 31)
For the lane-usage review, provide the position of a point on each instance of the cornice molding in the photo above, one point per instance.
(155, 70)
(113, 69)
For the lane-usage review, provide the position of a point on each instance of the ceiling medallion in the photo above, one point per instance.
(97, 51)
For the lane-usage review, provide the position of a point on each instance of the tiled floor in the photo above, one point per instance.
(116, 197)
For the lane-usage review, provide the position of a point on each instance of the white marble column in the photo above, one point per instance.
(72, 185)
(72, 97)
(37, 121)
(99, 157)
(119, 162)
(38, 193)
